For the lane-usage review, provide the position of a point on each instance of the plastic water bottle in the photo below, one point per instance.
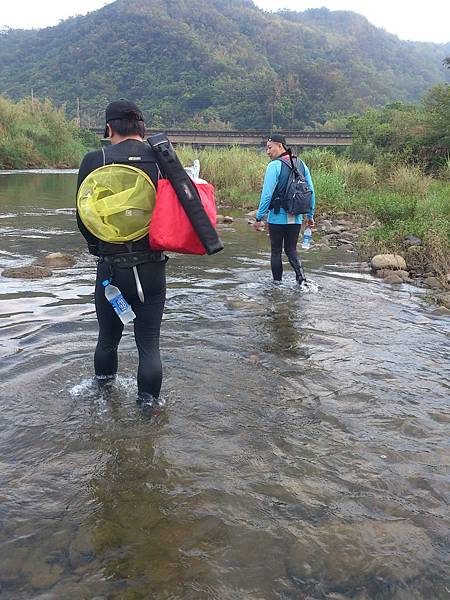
(118, 302)
(307, 238)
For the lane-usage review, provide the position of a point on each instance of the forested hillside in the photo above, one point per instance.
(209, 63)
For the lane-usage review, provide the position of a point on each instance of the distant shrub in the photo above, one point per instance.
(409, 181)
(37, 135)
(319, 159)
(358, 175)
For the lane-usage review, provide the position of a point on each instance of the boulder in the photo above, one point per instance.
(342, 241)
(227, 219)
(392, 278)
(252, 213)
(325, 226)
(404, 275)
(444, 300)
(337, 229)
(27, 272)
(388, 261)
(433, 282)
(345, 224)
(442, 311)
(55, 260)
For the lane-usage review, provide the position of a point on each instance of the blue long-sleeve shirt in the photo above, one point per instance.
(271, 176)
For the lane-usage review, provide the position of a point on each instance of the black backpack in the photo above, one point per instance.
(297, 199)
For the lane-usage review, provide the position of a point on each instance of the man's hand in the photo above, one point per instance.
(259, 225)
(311, 223)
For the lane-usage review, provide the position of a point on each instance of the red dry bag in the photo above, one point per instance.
(170, 227)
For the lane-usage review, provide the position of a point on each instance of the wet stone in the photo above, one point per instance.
(40, 573)
(433, 282)
(55, 260)
(382, 273)
(444, 300)
(27, 272)
(388, 261)
(80, 549)
(393, 279)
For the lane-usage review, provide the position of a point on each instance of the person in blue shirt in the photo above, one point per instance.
(284, 228)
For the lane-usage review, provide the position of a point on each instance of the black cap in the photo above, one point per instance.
(277, 138)
(122, 109)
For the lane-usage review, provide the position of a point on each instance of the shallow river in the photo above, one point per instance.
(302, 452)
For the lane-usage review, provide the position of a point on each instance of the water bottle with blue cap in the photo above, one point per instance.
(307, 234)
(120, 305)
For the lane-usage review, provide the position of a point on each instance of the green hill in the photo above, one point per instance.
(209, 63)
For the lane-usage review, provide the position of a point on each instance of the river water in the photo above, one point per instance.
(302, 452)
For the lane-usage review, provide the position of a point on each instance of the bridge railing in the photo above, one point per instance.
(250, 137)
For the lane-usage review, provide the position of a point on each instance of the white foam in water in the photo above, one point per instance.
(81, 389)
(309, 287)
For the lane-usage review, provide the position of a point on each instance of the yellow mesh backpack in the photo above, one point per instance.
(115, 203)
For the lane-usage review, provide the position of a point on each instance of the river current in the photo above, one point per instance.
(302, 452)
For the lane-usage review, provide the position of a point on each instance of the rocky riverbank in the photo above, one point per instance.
(408, 264)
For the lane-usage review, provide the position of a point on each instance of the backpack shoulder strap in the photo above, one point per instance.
(301, 164)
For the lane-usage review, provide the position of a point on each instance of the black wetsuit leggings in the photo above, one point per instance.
(287, 236)
(146, 324)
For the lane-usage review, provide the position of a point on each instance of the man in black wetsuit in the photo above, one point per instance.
(126, 129)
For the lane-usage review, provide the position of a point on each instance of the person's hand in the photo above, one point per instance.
(311, 223)
(259, 225)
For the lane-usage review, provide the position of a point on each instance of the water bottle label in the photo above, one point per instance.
(120, 304)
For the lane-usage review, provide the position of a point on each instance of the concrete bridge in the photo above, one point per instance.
(255, 137)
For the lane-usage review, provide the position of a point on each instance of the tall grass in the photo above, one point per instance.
(237, 173)
(37, 135)
(400, 198)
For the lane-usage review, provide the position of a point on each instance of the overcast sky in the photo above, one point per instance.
(411, 20)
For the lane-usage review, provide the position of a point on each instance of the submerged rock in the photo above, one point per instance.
(383, 273)
(55, 260)
(393, 278)
(351, 554)
(388, 261)
(444, 300)
(27, 272)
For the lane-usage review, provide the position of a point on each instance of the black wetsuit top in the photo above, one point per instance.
(129, 152)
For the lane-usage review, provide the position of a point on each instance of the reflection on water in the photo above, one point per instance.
(302, 453)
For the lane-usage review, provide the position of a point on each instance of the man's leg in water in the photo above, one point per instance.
(290, 247)
(276, 233)
(147, 327)
(110, 332)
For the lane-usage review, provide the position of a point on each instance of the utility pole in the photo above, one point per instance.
(78, 113)
(32, 101)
